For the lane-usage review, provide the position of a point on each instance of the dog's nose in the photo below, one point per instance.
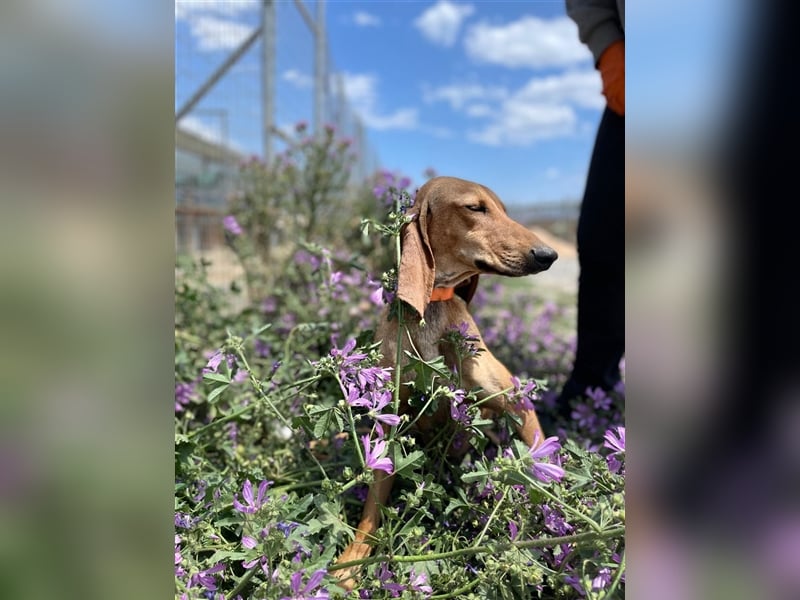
(544, 256)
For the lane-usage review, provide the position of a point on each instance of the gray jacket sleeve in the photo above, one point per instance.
(600, 22)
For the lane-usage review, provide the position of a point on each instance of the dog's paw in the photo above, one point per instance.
(348, 577)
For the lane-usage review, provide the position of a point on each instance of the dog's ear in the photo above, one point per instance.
(417, 269)
(467, 289)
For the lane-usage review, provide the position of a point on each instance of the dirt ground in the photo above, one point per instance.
(560, 282)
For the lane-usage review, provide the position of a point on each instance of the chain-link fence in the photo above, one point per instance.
(246, 71)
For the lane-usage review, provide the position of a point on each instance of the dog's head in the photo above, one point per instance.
(460, 230)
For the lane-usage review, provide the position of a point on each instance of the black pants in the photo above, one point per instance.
(601, 255)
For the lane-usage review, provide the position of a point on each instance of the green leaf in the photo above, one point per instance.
(261, 330)
(479, 475)
(410, 462)
(454, 504)
(223, 554)
(216, 377)
(322, 423)
(215, 393)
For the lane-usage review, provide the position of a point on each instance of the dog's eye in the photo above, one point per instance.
(477, 208)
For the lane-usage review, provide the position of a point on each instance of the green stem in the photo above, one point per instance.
(565, 507)
(577, 538)
(420, 412)
(458, 592)
(617, 578)
(260, 389)
(491, 518)
(244, 581)
(352, 422)
(297, 486)
(245, 409)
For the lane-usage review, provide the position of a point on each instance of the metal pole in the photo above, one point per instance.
(268, 77)
(216, 75)
(320, 62)
(301, 8)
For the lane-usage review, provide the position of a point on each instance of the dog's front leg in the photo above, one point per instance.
(488, 373)
(361, 546)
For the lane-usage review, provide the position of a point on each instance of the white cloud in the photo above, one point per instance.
(581, 88)
(360, 88)
(186, 9)
(458, 95)
(365, 19)
(403, 118)
(527, 42)
(214, 24)
(441, 22)
(521, 123)
(362, 93)
(298, 79)
(213, 33)
(479, 110)
(543, 108)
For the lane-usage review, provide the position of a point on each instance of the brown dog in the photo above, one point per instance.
(460, 230)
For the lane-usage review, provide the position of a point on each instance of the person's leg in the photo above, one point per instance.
(601, 255)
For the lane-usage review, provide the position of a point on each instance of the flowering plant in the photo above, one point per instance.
(284, 411)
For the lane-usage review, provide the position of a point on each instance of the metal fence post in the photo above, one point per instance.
(268, 77)
(320, 63)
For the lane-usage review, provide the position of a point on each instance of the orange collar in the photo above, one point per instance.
(440, 294)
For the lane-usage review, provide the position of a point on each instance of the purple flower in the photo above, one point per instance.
(249, 542)
(385, 576)
(269, 305)
(373, 456)
(206, 578)
(585, 416)
(388, 419)
(545, 471)
(376, 295)
(601, 581)
(179, 572)
(554, 521)
(302, 593)
(419, 583)
(523, 396)
(513, 530)
(379, 191)
(214, 361)
(600, 398)
(346, 354)
(184, 521)
(253, 504)
(356, 398)
(462, 339)
(458, 409)
(231, 224)
(373, 376)
(615, 442)
(575, 581)
(380, 401)
(184, 394)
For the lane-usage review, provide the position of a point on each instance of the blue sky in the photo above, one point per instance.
(498, 92)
